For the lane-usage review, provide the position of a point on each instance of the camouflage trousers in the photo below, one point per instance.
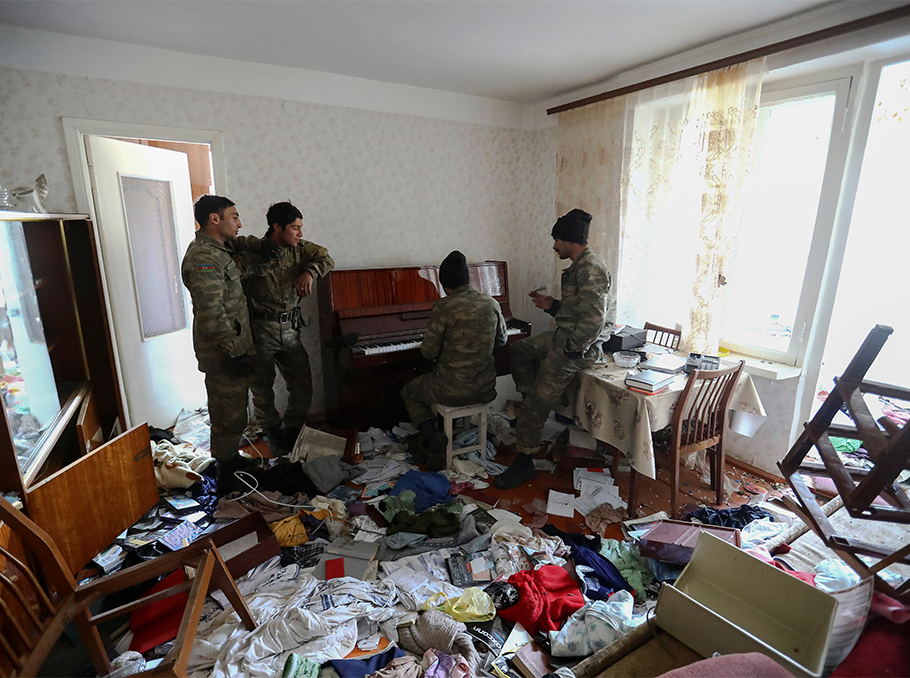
(278, 344)
(429, 388)
(541, 372)
(228, 396)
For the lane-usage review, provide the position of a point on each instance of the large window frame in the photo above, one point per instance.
(824, 226)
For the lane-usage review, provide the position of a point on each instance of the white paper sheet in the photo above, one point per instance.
(561, 504)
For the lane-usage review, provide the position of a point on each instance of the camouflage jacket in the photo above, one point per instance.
(221, 322)
(463, 330)
(587, 306)
(269, 284)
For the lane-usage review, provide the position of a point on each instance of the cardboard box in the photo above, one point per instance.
(728, 601)
(673, 541)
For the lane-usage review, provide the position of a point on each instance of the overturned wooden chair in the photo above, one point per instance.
(39, 597)
(888, 446)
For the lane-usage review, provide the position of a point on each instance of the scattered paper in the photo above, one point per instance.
(561, 504)
(502, 514)
(552, 430)
(599, 475)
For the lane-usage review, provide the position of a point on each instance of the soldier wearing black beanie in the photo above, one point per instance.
(572, 227)
(453, 272)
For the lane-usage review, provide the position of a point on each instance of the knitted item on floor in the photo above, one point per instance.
(296, 666)
(547, 596)
(437, 630)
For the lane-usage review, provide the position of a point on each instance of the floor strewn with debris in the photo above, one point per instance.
(388, 570)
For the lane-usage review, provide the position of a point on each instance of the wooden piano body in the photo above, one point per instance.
(371, 325)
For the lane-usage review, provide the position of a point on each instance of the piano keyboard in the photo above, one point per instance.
(407, 344)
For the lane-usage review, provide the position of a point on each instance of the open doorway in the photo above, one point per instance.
(139, 184)
(199, 159)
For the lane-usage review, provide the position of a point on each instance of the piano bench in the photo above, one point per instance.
(450, 413)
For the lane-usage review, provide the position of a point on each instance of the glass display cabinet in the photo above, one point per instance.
(58, 382)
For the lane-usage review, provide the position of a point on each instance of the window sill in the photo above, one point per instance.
(765, 369)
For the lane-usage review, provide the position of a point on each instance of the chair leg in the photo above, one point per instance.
(482, 434)
(222, 578)
(179, 657)
(93, 643)
(674, 483)
(447, 425)
(719, 457)
(633, 499)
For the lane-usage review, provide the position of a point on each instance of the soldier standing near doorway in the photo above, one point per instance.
(221, 327)
(278, 271)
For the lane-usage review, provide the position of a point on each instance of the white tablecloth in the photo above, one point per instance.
(599, 401)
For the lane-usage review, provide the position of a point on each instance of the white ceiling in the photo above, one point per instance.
(522, 51)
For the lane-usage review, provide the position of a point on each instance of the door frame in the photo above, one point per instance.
(75, 130)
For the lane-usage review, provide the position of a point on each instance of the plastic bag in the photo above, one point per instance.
(503, 594)
(471, 606)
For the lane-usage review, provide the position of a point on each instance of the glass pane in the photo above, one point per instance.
(27, 385)
(765, 278)
(153, 252)
(872, 288)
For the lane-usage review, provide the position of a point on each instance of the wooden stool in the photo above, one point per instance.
(450, 413)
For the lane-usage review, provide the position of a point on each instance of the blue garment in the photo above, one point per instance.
(358, 668)
(429, 489)
(605, 578)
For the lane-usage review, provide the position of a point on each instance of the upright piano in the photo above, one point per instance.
(371, 324)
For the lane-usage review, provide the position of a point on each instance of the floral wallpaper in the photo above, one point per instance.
(376, 189)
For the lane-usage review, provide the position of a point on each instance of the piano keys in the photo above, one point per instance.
(372, 323)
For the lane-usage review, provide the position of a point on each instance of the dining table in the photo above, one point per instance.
(599, 401)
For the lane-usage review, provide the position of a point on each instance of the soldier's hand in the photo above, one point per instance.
(271, 250)
(572, 355)
(541, 301)
(305, 284)
(243, 365)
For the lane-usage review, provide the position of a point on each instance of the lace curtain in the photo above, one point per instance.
(662, 171)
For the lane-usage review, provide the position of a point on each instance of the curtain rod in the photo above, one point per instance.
(870, 21)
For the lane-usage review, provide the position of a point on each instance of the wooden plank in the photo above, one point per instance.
(88, 426)
(87, 504)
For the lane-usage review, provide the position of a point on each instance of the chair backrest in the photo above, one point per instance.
(662, 336)
(701, 411)
(35, 584)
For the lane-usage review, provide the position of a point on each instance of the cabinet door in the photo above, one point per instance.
(85, 505)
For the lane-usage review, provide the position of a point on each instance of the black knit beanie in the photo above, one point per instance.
(453, 273)
(572, 227)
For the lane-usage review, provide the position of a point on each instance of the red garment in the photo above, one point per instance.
(547, 597)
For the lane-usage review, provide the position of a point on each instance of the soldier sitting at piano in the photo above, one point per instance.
(279, 270)
(464, 328)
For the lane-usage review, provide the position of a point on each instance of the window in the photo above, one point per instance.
(771, 282)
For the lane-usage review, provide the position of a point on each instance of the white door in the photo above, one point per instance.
(144, 213)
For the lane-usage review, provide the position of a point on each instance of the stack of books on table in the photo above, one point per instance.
(649, 381)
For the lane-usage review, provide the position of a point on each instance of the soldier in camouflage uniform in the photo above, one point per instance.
(465, 327)
(221, 326)
(279, 270)
(544, 365)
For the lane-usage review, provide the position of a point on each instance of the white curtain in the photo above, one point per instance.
(662, 171)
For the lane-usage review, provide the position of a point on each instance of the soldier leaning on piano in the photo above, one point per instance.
(463, 330)
(278, 271)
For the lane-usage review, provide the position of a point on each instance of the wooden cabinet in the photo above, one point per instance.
(58, 377)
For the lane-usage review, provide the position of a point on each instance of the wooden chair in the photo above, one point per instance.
(662, 336)
(39, 597)
(699, 423)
